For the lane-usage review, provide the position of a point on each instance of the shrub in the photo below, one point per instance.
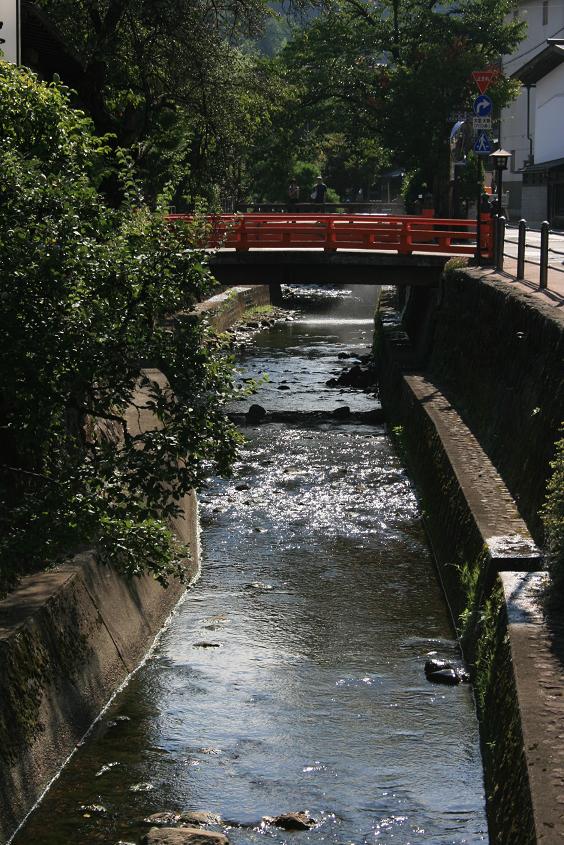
(553, 518)
(88, 293)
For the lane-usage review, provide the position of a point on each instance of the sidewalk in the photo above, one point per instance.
(553, 295)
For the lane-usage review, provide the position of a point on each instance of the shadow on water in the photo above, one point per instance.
(292, 675)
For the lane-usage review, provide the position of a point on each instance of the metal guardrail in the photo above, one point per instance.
(544, 251)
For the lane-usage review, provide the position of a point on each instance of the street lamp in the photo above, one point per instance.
(500, 159)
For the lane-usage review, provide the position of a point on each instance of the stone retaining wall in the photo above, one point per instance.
(500, 354)
(70, 637)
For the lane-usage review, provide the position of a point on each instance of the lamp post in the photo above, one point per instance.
(500, 159)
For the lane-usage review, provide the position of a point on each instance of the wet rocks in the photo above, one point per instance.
(199, 817)
(255, 414)
(183, 836)
(341, 413)
(292, 821)
(164, 819)
(94, 810)
(359, 376)
(444, 672)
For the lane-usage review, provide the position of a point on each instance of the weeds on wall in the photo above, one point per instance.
(552, 514)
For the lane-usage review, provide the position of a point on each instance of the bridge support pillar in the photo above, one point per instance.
(275, 293)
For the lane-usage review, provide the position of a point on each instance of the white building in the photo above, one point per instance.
(532, 127)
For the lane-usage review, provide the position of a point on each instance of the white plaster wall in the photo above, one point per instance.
(513, 130)
(549, 116)
(534, 203)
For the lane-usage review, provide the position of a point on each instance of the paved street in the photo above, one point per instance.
(555, 245)
(554, 295)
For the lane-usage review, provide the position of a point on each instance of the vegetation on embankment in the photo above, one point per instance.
(87, 293)
(553, 520)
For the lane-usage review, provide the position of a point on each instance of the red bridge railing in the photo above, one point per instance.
(403, 235)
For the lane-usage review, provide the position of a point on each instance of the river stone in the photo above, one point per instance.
(436, 665)
(255, 413)
(341, 413)
(198, 817)
(444, 676)
(183, 836)
(444, 672)
(292, 821)
(165, 818)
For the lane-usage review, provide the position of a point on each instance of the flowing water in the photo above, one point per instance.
(291, 677)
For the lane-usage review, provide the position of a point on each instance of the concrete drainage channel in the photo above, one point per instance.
(70, 637)
(65, 647)
(493, 576)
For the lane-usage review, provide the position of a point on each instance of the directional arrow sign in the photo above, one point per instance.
(484, 78)
(483, 145)
(483, 106)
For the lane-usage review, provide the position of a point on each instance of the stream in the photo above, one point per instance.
(291, 676)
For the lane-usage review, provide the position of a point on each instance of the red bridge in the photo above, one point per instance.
(293, 245)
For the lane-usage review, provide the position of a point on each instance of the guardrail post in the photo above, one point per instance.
(405, 244)
(484, 230)
(243, 244)
(543, 280)
(499, 242)
(521, 248)
(331, 242)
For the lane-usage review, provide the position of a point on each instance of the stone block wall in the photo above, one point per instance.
(501, 357)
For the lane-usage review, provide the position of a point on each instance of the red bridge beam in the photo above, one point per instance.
(330, 232)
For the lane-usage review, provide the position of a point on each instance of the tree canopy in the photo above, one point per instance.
(380, 79)
(89, 293)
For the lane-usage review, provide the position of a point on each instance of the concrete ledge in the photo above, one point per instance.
(226, 308)
(535, 640)
(499, 526)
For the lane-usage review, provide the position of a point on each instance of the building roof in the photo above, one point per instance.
(541, 64)
(554, 164)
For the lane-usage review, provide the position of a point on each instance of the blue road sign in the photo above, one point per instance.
(483, 106)
(482, 144)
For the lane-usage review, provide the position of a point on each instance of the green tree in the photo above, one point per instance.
(169, 80)
(89, 295)
(389, 74)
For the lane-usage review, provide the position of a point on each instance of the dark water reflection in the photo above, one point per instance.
(292, 675)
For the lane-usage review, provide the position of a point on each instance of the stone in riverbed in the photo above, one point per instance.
(443, 672)
(198, 817)
(255, 413)
(163, 819)
(292, 821)
(183, 836)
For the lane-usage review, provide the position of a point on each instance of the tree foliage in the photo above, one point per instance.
(169, 79)
(384, 77)
(553, 520)
(88, 296)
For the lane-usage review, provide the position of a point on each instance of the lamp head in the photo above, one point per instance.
(500, 159)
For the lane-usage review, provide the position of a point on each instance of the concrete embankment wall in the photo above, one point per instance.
(476, 422)
(71, 636)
